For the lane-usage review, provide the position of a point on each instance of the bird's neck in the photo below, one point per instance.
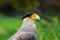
(28, 24)
(28, 21)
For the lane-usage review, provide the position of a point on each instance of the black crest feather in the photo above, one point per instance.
(28, 14)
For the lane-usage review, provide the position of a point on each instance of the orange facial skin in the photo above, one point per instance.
(33, 16)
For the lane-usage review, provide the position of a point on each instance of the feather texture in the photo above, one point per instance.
(27, 31)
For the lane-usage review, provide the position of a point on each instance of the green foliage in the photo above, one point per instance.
(46, 30)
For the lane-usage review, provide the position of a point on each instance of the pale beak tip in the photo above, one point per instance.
(37, 17)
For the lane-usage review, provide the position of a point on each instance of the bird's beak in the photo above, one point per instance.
(37, 17)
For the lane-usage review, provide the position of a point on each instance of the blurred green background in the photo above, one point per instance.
(11, 12)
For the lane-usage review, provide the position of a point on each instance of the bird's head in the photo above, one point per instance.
(31, 15)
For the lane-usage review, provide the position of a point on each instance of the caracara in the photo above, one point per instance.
(28, 28)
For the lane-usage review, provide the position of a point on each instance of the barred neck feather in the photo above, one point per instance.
(28, 24)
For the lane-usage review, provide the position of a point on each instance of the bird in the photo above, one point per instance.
(28, 30)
